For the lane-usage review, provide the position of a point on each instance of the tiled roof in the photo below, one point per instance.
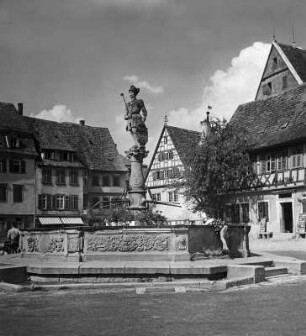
(63, 164)
(297, 58)
(183, 140)
(50, 134)
(95, 147)
(274, 121)
(10, 122)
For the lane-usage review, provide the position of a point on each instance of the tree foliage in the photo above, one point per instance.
(219, 166)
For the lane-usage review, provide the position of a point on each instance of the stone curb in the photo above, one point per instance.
(139, 288)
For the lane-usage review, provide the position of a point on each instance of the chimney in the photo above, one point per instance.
(82, 122)
(205, 128)
(20, 109)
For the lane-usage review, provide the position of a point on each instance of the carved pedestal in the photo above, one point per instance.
(137, 182)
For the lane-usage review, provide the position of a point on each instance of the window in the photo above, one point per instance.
(156, 197)
(17, 166)
(2, 166)
(106, 180)
(60, 176)
(297, 157)
(73, 200)
(165, 140)
(44, 202)
(17, 193)
(275, 63)
(60, 202)
(245, 212)
(46, 176)
(95, 180)
(170, 196)
(285, 82)
(73, 177)
(160, 175)
(106, 202)
(267, 89)
(235, 213)
(282, 159)
(116, 180)
(94, 201)
(175, 196)
(12, 141)
(3, 192)
(176, 172)
(270, 163)
(263, 210)
(170, 155)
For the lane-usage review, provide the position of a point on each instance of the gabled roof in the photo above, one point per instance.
(275, 121)
(182, 140)
(297, 57)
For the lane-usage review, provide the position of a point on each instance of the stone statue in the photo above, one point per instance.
(136, 115)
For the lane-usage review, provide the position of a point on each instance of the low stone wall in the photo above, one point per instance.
(63, 244)
(137, 244)
(134, 244)
(233, 239)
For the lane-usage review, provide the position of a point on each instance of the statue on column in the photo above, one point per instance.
(136, 115)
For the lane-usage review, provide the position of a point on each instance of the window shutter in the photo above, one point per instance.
(11, 165)
(160, 157)
(154, 176)
(4, 166)
(23, 167)
(40, 201)
(54, 202)
(49, 202)
(67, 205)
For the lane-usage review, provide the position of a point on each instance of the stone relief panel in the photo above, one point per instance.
(32, 244)
(56, 245)
(127, 243)
(181, 243)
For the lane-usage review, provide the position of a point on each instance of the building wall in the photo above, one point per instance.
(27, 180)
(162, 184)
(59, 189)
(20, 213)
(97, 190)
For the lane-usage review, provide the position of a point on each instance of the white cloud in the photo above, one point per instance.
(227, 88)
(144, 84)
(59, 113)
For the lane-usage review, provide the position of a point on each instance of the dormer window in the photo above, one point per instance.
(12, 141)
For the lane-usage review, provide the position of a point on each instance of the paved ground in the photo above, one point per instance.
(265, 310)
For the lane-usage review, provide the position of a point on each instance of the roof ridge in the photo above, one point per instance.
(183, 129)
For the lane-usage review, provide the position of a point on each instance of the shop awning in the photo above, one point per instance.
(61, 220)
(50, 220)
(72, 220)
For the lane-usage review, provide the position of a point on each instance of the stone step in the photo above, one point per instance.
(275, 271)
(264, 263)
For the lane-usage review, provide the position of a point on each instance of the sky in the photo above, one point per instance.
(68, 60)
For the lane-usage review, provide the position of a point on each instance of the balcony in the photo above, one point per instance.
(287, 178)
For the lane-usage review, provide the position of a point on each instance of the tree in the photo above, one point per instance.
(217, 167)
